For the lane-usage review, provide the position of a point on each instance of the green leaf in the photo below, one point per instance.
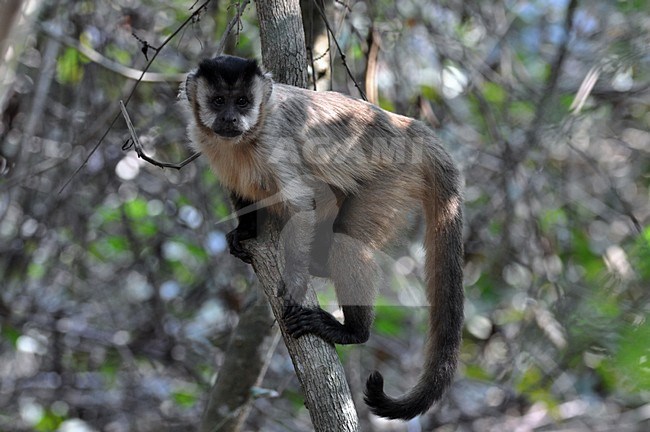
(35, 270)
(68, 67)
(531, 385)
(10, 334)
(530, 380)
(184, 398)
(118, 54)
(494, 93)
(592, 263)
(146, 228)
(108, 214)
(389, 320)
(552, 218)
(473, 371)
(521, 112)
(117, 243)
(633, 5)
(633, 357)
(109, 247)
(136, 209)
(197, 251)
(641, 255)
(430, 93)
(356, 52)
(386, 104)
(50, 422)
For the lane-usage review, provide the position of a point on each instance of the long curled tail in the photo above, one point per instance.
(444, 272)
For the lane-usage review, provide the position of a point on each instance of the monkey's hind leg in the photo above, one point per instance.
(355, 274)
(365, 223)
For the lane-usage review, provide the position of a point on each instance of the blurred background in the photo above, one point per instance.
(117, 293)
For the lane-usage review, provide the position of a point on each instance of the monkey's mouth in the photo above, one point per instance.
(228, 132)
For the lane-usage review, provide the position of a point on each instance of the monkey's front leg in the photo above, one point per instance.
(246, 229)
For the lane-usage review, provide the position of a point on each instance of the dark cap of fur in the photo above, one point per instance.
(229, 69)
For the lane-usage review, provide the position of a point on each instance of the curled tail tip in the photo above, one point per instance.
(375, 397)
(375, 383)
(417, 402)
(382, 405)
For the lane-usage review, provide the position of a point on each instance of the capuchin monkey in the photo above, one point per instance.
(346, 176)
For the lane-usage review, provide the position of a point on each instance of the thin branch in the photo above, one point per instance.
(105, 62)
(137, 146)
(40, 168)
(554, 76)
(338, 47)
(157, 51)
(371, 65)
(235, 20)
(344, 5)
(132, 92)
(585, 89)
(627, 209)
(310, 46)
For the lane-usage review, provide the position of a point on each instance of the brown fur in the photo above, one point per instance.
(332, 157)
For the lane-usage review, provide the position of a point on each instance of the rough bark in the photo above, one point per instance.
(283, 41)
(321, 375)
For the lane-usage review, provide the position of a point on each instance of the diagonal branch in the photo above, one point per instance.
(193, 16)
(554, 76)
(338, 47)
(137, 146)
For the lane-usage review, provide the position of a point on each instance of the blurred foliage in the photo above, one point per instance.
(118, 296)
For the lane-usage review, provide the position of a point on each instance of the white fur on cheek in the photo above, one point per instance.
(206, 115)
(250, 120)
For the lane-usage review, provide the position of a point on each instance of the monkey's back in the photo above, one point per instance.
(344, 141)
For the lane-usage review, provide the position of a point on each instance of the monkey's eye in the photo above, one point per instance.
(218, 100)
(242, 101)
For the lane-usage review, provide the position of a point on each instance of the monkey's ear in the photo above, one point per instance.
(190, 87)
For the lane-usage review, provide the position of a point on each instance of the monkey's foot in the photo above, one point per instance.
(234, 239)
(301, 320)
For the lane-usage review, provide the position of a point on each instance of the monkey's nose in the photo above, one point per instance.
(232, 120)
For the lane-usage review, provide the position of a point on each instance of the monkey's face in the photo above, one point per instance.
(227, 111)
(226, 93)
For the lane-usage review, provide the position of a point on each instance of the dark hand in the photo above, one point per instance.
(234, 239)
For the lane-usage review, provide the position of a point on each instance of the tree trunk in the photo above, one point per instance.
(283, 41)
(321, 375)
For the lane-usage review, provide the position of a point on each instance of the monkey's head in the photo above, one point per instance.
(227, 94)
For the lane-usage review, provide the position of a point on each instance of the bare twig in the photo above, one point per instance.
(235, 20)
(198, 11)
(554, 75)
(338, 47)
(137, 146)
(310, 44)
(585, 89)
(113, 66)
(627, 209)
(371, 65)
